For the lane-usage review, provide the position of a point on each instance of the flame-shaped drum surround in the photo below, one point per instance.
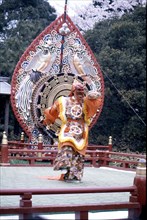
(38, 80)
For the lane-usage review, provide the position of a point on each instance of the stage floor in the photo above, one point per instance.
(35, 177)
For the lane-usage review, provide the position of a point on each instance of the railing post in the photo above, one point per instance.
(22, 137)
(25, 202)
(140, 183)
(40, 145)
(110, 143)
(94, 159)
(82, 215)
(106, 155)
(21, 143)
(4, 151)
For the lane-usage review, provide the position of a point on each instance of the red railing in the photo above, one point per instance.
(26, 209)
(98, 157)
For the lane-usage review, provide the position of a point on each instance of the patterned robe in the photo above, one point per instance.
(73, 135)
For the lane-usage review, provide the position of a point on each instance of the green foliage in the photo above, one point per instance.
(21, 21)
(16, 161)
(119, 45)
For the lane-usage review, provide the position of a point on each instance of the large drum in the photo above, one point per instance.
(46, 70)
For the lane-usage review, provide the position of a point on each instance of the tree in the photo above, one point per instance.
(119, 44)
(20, 22)
(100, 10)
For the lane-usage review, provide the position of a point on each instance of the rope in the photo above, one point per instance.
(125, 99)
(62, 41)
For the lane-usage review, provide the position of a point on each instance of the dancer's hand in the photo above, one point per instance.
(93, 94)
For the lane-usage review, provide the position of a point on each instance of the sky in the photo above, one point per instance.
(71, 5)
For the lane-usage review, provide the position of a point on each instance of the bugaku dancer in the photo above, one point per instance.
(75, 112)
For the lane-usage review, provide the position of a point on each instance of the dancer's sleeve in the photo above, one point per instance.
(93, 102)
(51, 114)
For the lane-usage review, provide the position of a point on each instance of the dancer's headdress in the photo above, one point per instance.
(76, 86)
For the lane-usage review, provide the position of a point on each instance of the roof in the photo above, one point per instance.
(5, 87)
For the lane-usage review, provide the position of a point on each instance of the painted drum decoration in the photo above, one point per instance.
(46, 71)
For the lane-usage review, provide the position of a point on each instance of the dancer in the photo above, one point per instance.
(75, 112)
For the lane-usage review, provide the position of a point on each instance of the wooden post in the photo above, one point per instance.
(4, 151)
(83, 215)
(6, 115)
(22, 137)
(110, 143)
(22, 145)
(94, 159)
(40, 145)
(25, 202)
(140, 183)
(106, 155)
